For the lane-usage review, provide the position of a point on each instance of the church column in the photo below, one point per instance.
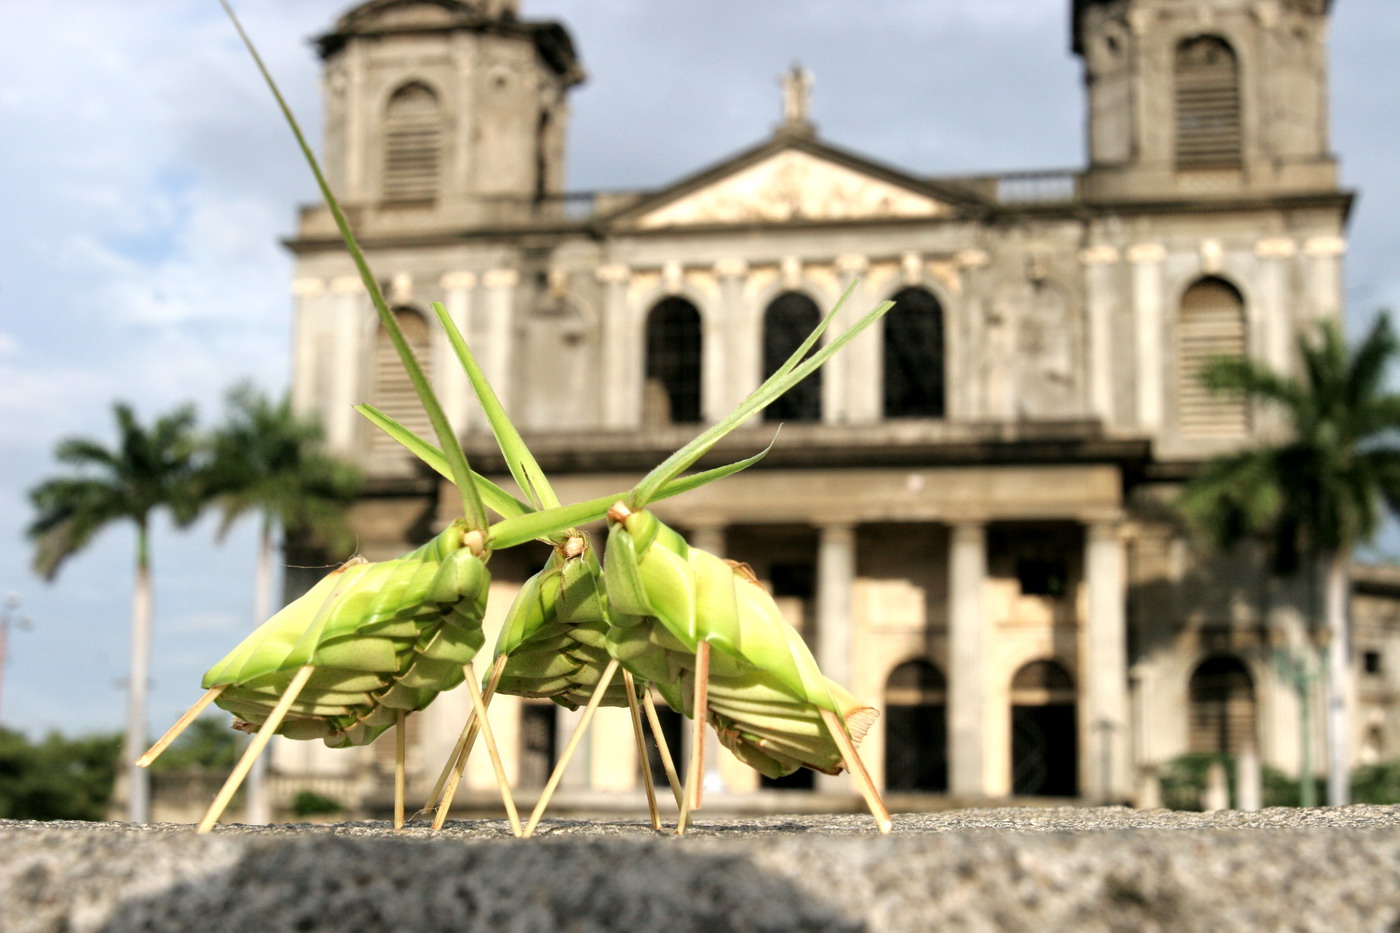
(452, 385)
(738, 379)
(1104, 655)
(967, 650)
(308, 365)
(1147, 259)
(500, 330)
(350, 371)
(622, 351)
(861, 382)
(836, 577)
(1099, 267)
(1324, 277)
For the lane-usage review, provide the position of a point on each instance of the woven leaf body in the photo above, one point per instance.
(765, 689)
(383, 637)
(555, 630)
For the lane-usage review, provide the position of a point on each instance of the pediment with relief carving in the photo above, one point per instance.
(792, 185)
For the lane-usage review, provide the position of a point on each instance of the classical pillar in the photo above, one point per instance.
(967, 650)
(453, 388)
(1105, 667)
(500, 330)
(856, 389)
(836, 577)
(350, 379)
(738, 379)
(308, 366)
(1147, 259)
(622, 352)
(1324, 277)
(1099, 267)
(966, 380)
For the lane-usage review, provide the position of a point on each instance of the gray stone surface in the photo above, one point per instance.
(996, 869)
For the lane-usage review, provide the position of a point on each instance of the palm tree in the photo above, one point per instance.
(149, 469)
(269, 460)
(1316, 495)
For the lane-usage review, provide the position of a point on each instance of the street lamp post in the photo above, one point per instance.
(9, 612)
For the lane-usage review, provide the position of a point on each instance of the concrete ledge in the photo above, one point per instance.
(1011, 869)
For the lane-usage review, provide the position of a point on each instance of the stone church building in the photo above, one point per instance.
(968, 512)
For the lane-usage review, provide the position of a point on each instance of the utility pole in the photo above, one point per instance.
(9, 612)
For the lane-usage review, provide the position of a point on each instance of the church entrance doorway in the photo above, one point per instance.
(1044, 732)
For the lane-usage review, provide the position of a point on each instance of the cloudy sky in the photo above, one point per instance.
(145, 180)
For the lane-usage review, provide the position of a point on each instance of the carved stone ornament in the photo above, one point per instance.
(793, 185)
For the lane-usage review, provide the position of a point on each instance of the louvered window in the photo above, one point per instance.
(390, 388)
(1207, 104)
(1211, 325)
(412, 144)
(1222, 714)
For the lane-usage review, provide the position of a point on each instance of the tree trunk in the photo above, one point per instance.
(138, 787)
(258, 808)
(1338, 682)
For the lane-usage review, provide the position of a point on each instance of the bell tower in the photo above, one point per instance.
(453, 108)
(1205, 97)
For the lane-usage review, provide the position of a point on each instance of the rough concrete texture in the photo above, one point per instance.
(1011, 869)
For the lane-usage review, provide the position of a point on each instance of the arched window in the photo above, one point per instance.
(412, 144)
(1211, 325)
(1222, 706)
(390, 389)
(787, 322)
(1208, 128)
(673, 357)
(916, 729)
(1044, 731)
(914, 356)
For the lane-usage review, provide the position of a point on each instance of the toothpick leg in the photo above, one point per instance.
(448, 781)
(399, 742)
(637, 733)
(691, 796)
(668, 763)
(500, 770)
(255, 748)
(857, 769)
(584, 722)
(181, 725)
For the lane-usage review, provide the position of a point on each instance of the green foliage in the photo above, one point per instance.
(310, 803)
(58, 778)
(209, 744)
(1378, 783)
(267, 459)
(1184, 782)
(149, 468)
(1319, 491)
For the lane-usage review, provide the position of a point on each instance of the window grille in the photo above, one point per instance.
(1222, 707)
(673, 363)
(787, 322)
(914, 356)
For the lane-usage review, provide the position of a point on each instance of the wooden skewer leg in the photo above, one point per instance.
(181, 725)
(255, 748)
(857, 769)
(499, 768)
(400, 742)
(668, 764)
(570, 747)
(451, 776)
(637, 733)
(691, 795)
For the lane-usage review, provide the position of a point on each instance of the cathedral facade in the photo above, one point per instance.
(968, 512)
